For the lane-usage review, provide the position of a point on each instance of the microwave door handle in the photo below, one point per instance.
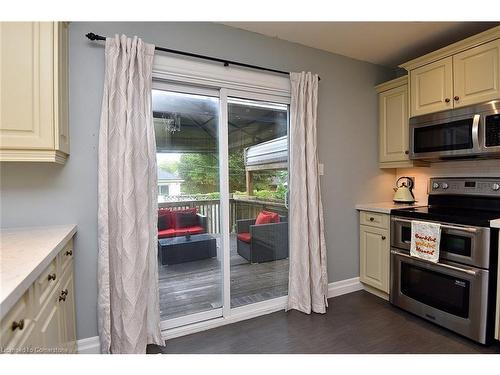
(463, 229)
(470, 272)
(475, 132)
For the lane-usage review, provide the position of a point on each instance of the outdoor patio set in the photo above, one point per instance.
(183, 237)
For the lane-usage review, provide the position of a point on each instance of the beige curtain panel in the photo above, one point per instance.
(128, 301)
(308, 279)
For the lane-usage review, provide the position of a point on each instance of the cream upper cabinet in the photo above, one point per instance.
(393, 124)
(431, 87)
(461, 74)
(476, 74)
(34, 91)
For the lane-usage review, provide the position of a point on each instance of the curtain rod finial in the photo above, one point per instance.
(92, 36)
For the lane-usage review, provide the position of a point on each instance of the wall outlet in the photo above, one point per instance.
(321, 169)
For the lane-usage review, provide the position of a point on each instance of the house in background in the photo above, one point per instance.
(169, 185)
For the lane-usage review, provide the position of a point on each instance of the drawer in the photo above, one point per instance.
(17, 323)
(65, 256)
(45, 283)
(374, 219)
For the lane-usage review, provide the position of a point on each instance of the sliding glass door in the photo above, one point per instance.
(258, 187)
(189, 239)
(222, 201)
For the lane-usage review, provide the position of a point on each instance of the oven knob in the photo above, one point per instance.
(495, 186)
(444, 185)
(435, 185)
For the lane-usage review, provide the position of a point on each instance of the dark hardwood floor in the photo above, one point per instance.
(355, 323)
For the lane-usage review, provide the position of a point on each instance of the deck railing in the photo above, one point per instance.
(239, 208)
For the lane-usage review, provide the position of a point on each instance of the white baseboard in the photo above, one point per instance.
(91, 345)
(338, 288)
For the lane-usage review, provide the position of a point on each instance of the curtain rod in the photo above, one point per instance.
(93, 36)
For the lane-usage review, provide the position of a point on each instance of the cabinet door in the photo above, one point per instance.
(476, 74)
(68, 307)
(393, 123)
(26, 85)
(50, 325)
(374, 257)
(431, 87)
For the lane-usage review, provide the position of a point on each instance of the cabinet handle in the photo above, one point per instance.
(447, 100)
(383, 237)
(371, 219)
(69, 253)
(64, 292)
(456, 98)
(52, 276)
(15, 325)
(407, 152)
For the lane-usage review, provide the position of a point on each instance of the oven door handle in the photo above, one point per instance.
(470, 272)
(446, 226)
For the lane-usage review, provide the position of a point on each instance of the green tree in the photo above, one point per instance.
(199, 172)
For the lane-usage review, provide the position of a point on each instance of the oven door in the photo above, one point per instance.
(459, 243)
(448, 294)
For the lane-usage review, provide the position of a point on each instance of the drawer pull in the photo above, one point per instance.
(383, 238)
(371, 219)
(69, 253)
(64, 292)
(16, 325)
(52, 276)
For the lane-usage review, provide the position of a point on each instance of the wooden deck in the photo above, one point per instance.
(193, 287)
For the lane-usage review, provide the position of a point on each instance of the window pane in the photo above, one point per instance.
(258, 187)
(190, 255)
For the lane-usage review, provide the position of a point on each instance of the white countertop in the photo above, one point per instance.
(495, 223)
(385, 207)
(24, 254)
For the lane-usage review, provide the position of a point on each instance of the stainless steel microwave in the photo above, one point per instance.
(467, 132)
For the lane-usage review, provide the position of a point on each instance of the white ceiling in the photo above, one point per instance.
(383, 43)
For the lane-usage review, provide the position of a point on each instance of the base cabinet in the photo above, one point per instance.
(43, 320)
(374, 255)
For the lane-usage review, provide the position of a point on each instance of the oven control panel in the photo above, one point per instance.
(484, 186)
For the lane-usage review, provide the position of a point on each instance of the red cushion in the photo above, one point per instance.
(166, 233)
(191, 230)
(165, 219)
(267, 217)
(245, 237)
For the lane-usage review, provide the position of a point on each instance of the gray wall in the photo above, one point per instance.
(39, 194)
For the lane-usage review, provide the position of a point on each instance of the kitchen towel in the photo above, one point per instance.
(425, 238)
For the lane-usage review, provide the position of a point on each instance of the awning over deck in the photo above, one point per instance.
(272, 154)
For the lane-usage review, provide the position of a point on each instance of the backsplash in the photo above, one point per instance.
(469, 168)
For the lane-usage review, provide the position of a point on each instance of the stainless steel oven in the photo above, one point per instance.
(446, 293)
(459, 243)
(472, 131)
(459, 291)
